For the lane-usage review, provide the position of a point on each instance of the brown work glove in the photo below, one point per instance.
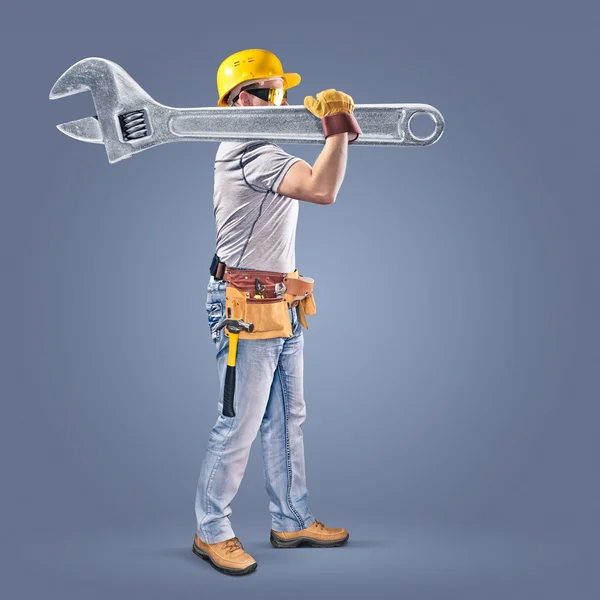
(335, 109)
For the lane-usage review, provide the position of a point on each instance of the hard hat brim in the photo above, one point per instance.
(291, 80)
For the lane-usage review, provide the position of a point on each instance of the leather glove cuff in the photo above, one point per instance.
(340, 123)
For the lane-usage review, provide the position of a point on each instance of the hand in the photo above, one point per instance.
(329, 102)
(335, 109)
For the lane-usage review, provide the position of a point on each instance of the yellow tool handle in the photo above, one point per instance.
(229, 389)
(233, 342)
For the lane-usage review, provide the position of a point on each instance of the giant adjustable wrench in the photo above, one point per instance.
(129, 120)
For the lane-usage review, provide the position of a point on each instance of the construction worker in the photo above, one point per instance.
(257, 189)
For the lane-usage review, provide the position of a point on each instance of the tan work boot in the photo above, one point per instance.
(315, 535)
(228, 557)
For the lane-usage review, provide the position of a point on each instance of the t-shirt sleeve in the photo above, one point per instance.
(265, 166)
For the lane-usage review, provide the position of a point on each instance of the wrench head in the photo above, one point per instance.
(116, 96)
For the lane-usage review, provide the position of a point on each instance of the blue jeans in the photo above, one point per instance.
(269, 396)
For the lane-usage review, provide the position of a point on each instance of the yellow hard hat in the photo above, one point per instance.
(250, 64)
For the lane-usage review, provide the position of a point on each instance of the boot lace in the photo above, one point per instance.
(319, 525)
(232, 545)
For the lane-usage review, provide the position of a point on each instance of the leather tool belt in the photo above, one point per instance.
(267, 309)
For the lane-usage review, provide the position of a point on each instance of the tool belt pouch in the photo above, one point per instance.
(299, 293)
(306, 307)
(269, 315)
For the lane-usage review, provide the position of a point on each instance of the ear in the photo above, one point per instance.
(245, 99)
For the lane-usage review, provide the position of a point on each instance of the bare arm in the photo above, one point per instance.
(321, 183)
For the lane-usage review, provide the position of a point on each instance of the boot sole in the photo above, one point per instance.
(278, 542)
(227, 570)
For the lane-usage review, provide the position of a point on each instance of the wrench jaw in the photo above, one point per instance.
(72, 81)
(119, 102)
(84, 130)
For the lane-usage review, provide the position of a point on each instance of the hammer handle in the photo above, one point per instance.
(228, 410)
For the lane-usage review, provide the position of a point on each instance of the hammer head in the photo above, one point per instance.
(236, 325)
(124, 109)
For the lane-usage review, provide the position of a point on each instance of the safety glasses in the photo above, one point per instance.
(274, 96)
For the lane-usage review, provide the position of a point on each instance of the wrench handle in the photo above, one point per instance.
(381, 124)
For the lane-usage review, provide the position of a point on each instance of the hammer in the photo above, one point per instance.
(234, 326)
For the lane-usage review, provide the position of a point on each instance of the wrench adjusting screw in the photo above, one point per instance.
(133, 125)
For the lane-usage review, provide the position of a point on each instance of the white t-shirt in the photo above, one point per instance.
(256, 226)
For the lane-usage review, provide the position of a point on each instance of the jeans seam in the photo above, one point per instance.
(264, 449)
(287, 448)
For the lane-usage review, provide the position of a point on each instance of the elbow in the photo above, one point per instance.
(325, 199)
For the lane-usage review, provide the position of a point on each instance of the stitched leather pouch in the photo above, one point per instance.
(306, 307)
(270, 314)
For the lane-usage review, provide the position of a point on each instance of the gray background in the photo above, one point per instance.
(452, 420)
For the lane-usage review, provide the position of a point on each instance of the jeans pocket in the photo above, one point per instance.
(215, 285)
(215, 315)
(297, 328)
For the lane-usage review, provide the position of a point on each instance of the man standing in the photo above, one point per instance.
(257, 189)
